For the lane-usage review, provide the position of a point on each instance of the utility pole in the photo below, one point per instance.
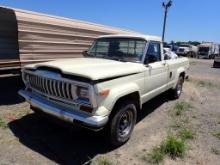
(166, 6)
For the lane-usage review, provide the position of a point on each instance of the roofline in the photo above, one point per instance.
(138, 36)
(67, 19)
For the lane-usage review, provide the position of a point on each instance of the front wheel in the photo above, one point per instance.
(179, 88)
(122, 123)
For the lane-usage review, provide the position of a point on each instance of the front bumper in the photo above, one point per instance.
(91, 122)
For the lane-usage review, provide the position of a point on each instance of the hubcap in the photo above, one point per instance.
(179, 87)
(125, 123)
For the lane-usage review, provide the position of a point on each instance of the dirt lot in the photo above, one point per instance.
(26, 138)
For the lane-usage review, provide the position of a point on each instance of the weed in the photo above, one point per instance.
(203, 83)
(3, 123)
(174, 147)
(182, 106)
(101, 160)
(156, 156)
(186, 134)
(215, 151)
(217, 134)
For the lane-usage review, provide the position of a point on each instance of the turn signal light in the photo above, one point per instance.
(104, 92)
(86, 108)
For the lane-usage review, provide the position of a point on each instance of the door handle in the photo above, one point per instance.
(171, 74)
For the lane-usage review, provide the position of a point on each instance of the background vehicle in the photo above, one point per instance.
(208, 50)
(187, 50)
(107, 88)
(29, 37)
(217, 60)
(168, 54)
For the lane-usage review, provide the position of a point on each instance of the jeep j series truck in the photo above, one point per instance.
(106, 88)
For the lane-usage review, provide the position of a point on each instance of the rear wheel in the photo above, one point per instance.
(122, 123)
(179, 88)
(214, 64)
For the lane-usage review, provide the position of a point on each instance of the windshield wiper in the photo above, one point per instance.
(117, 59)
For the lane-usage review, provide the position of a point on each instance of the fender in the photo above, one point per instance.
(179, 71)
(118, 92)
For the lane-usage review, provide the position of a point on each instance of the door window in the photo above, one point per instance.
(153, 53)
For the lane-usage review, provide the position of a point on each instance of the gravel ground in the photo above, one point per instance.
(27, 138)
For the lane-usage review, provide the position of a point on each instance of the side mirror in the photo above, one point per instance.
(166, 57)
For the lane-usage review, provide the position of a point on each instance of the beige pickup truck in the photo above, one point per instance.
(107, 88)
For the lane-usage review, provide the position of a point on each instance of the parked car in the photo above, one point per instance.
(107, 88)
(187, 50)
(208, 50)
(168, 54)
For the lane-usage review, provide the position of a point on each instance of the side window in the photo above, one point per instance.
(153, 53)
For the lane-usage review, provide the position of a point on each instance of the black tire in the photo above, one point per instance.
(214, 64)
(121, 124)
(179, 88)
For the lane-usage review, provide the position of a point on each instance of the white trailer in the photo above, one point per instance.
(208, 50)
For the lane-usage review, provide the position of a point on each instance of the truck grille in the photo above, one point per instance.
(181, 50)
(52, 87)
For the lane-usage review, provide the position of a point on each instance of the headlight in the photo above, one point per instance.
(86, 95)
(83, 94)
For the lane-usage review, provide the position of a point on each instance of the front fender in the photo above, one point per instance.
(118, 92)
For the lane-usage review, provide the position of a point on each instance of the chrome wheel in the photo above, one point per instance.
(179, 86)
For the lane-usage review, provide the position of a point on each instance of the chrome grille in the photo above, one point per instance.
(52, 87)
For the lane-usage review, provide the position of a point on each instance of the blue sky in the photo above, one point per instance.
(187, 19)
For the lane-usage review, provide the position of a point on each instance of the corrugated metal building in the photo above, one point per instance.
(28, 37)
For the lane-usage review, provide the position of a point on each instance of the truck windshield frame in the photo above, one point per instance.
(120, 49)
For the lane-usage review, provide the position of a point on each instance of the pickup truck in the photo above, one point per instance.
(106, 88)
(187, 50)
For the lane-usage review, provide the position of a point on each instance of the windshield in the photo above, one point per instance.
(204, 49)
(122, 49)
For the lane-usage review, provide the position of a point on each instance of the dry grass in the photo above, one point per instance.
(3, 123)
(204, 83)
(181, 106)
(101, 160)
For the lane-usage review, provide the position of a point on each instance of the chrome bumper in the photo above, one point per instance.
(91, 122)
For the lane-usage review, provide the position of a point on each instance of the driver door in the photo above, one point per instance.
(157, 71)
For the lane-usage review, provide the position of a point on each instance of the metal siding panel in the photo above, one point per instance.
(43, 37)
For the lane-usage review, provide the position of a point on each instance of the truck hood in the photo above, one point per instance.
(92, 68)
